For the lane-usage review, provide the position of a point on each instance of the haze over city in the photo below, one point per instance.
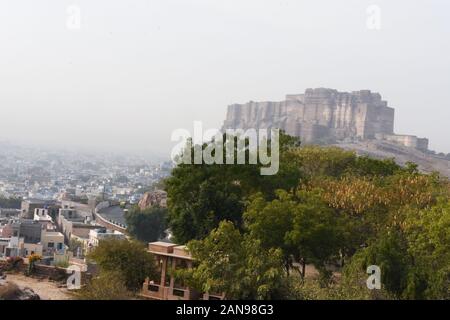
(135, 71)
(224, 155)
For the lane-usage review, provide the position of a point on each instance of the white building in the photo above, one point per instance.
(52, 242)
(17, 247)
(42, 215)
(97, 235)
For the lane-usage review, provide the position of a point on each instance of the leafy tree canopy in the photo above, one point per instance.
(147, 225)
(130, 259)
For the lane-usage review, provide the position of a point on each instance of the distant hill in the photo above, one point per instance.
(427, 162)
(358, 120)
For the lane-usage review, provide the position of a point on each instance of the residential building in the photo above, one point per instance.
(29, 205)
(52, 242)
(27, 229)
(41, 214)
(17, 247)
(99, 234)
(9, 213)
(71, 222)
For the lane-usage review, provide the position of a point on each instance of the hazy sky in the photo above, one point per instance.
(137, 70)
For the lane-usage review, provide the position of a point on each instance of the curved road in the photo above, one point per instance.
(114, 213)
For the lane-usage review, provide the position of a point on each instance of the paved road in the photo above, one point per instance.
(115, 213)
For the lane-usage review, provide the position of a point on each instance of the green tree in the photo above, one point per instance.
(202, 195)
(105, 286)
(147, 225)
(300, 224)
(327, 207)
(428, 234)
(315, 233)
(130, 259)
(414, 255)
(231, 263)
(389, 252)
(364, 165)
(324, 161)
(271, 221)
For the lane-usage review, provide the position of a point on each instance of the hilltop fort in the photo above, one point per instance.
(325, 116)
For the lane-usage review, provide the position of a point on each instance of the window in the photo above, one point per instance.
(178, 292)
(153, 288)
(51, 245)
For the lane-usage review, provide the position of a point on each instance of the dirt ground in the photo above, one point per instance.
(45, 289)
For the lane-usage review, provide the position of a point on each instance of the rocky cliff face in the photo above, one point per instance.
(154, 198)
(318, 114)
(358, 120)
(323, 115)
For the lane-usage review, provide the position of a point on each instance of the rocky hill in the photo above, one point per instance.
(427, 162)
(358, 120)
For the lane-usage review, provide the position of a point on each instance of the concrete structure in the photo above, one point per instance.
(405, 140)
(111, 216)
(323, 116)
(100, 234)
(25, 237)
(52, 243)
(32, 248)
(20, 237)
(29, 205)
(41, 214)
(168, 257)
(17, 247)
(4, 242)
(29, 230)
(71, 222)
(9, 213)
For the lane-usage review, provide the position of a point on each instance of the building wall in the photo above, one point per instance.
(54, 238)
(30, 248)
(166, 286)
(28, 206)
(30, 231)
(108, 225)
(407, 141)
(320, 114)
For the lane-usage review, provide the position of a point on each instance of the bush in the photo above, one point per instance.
(130, 259)
(106, 286)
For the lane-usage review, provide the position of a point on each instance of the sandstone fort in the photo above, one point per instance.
(325, 116)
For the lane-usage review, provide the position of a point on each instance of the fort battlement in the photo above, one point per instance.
(324, 115)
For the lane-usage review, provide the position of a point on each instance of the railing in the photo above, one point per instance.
(156, 291)
(111, 222)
